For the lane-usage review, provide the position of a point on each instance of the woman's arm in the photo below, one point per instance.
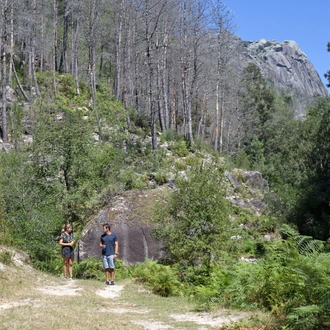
(65, 244)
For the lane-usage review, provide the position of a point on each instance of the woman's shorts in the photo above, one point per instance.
(108, 262)
(68, 252)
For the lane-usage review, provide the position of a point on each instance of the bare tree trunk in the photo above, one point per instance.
(164, 84)
(63, 59)
(74, 54)
(11, 61)
(33, 41)
(127, 74)
(159, 89)
(93, 15)
(217, 116)
(42, 50)
(19, 84)
(186, 76)
(4, 71)
(151, 101)
(117, 54)
(54, 44)
(222, 119)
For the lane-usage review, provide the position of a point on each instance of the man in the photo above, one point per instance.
(109, 245)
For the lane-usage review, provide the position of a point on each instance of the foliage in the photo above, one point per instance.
(193, 223)
(289, 279)
(90, 268)
(180, 148)
(160, 178)
(6, 257)
(242, 161)
(159, 278)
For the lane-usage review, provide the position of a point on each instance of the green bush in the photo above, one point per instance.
(208, 293)
(90, 268)
(6, 257)
(242, 161)
(193, 222)
(159, 278)
(168, 135)
(180, 148)
(160, 178)
(180, 165)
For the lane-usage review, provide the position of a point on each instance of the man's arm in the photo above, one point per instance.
(116, 249)
(102, 244)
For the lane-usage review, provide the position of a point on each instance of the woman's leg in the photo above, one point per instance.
(70, 260)
(65, 264)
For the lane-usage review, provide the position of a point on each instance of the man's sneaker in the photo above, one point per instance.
(70, 278)
(112, 283)
(107, 283)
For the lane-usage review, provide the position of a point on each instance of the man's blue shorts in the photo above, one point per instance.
(108, 262)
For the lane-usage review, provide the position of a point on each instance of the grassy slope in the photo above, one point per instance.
(30, 299)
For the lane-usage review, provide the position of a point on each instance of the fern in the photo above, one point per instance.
(304, 317)
(306, 245)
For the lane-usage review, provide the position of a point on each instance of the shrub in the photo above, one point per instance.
(90, 268)
(159, 278)
(160, 178)
(6, 257)
(193, 222)
(180, 149)
(242, 161)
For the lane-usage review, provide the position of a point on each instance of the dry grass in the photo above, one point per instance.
(30, 300)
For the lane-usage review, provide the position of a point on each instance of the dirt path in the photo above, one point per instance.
(35, 291)
(112, 292)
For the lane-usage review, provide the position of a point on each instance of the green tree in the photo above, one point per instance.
(313, 212)
(61, 158)
(194, 222)
(257, 104)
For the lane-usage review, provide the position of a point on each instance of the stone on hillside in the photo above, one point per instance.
(237, 201)
(129, 216)
(258, 204)
(10, 94)
(232, 179)
(253, 178)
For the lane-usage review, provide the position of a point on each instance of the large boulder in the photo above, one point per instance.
(253, 179)
(287, 67)
(130, 217)
(11, 95)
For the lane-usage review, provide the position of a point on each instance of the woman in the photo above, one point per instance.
(67, 241)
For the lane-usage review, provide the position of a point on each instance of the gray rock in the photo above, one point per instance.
(239, 202)
(10, 94)
(129, 217)
(253, 178)
(287, 67)
(232, 179)
(258, 204)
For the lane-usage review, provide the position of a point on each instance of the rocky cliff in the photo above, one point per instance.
(286, 67)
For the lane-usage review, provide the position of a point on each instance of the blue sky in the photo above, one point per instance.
(304, 21)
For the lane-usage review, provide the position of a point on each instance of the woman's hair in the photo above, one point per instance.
(65, 227)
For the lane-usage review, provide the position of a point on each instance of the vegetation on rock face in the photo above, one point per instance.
(194, 221)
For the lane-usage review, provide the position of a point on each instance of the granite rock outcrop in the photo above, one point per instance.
(286, 67)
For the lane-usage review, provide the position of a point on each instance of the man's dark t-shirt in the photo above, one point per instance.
(109, 241)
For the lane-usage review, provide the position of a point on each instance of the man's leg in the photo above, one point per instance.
(107, 271)
(112, 274)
